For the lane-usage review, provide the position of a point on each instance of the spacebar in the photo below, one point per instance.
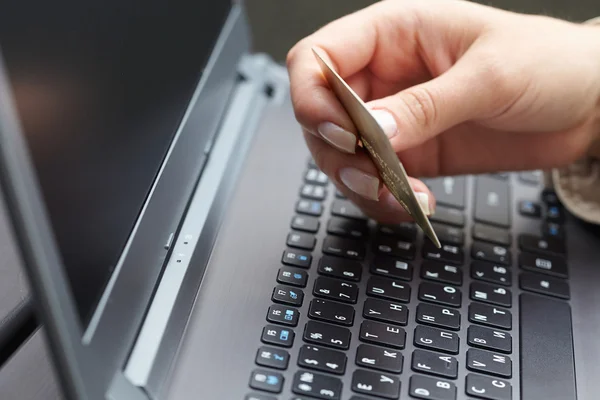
(547, 361)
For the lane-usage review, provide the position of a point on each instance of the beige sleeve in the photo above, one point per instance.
(578, 185)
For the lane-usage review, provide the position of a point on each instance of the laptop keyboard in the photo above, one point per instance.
(378, 311)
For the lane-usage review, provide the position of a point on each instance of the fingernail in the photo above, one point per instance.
(360, 183)
(338, 137)
(386, 121)
(423, 199)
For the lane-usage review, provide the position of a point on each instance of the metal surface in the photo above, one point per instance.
(88, 368)
(378, 148)
(16, 305)
(29, 373)
(223, 335)
(195, 238)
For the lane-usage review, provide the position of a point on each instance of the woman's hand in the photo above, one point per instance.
(458, 88)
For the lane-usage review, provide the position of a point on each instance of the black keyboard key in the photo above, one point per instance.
(436, 339)
(268, 381)
(434, 363)
(539, 245)
(449, 191)
(309, 207)
(489, 339)
(342, 247)
(391, 267)
(492, 201)
(492, 273)
(447, 254)
(283, 315)
(335, 290)
(440, 294)
(448, 216)
(385, 311)
(376, 384)
(305, 223)
(440, 272)
(490, 316)
(555, 213)
(272, 358)
(383, 334)
(347, 228)
(292, 276)
(549, 197)
(489, 363)
(491, 234)
(491, 253)
(327, 335)
(287, 295)
(530, 209)
(322, 359)
(425, 387)
(545, 285)
(313, 192)
(430, 314)
(496, 295)
(314, 176)
(277, 335)
(257, 396)
(390, 246)
(388, 289)
(317, 386)
(449, 234)
(379, 358)
(553, 230)
(347, 209)
(296, 258)
(549, 265)
(330, 311)
(406, 231)
(488, 388)
(546, 366)
(301, 240)
(340, 268)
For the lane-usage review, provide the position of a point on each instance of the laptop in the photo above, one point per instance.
(182, 244)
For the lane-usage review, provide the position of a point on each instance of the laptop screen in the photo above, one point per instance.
(101, 88)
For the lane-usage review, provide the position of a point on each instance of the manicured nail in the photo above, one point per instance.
(360, 183)
(386, 121)
(423, 199)
(338, 137)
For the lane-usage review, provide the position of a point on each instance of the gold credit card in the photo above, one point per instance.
(379, 148)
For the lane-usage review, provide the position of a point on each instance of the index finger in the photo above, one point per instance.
(348, 44)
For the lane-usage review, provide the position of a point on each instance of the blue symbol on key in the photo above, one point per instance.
(284, 335)
(278, 357)
(272, 380)
(553, 211)
(293, 295)
(303, 258)
(297, 276)
(289, 314)
(316, 207)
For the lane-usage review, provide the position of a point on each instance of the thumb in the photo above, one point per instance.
(421, 112)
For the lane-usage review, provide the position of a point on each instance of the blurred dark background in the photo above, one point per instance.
(278, 24)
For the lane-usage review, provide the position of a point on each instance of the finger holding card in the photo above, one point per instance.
(377, 145)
